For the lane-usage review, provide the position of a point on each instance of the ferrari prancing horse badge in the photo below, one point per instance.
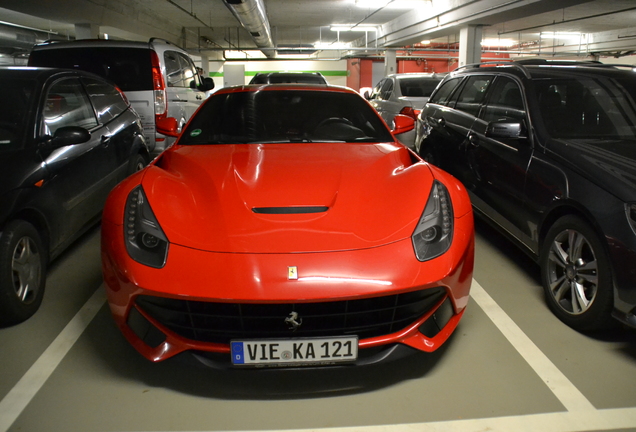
(292, 273)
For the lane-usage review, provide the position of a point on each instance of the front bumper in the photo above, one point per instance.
(198, 277)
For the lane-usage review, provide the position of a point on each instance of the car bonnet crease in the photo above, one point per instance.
(284, 198)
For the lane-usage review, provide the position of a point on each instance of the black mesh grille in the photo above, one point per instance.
(222, 322)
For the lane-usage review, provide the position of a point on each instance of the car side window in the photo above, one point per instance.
(387, 89)
(442, 95)
(376, 90)
(505, 103)
(67, 104)
(108, 101)
(189, 71)
(179, 70)
(473, 93)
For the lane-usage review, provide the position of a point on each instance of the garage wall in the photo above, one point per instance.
(334, 71)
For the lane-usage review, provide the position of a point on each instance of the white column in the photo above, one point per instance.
(390, 63)
(86, 31)
(205, 64)
(469, 45)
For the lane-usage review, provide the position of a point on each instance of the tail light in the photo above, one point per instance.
(409, 111)
(159, 87)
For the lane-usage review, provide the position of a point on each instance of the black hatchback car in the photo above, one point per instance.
(66, 139)
(547, 151)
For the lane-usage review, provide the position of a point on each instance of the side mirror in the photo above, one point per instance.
(207, 85)
(402, 123)
(65, 136)
(506, 130)
(168, 126)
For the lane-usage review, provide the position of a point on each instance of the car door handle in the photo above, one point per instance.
(441, 122)
(106, 139)
(473, 140)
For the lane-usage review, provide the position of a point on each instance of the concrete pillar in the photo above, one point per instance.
(390, 63)
(469, 45)
(205, 64)
(86, 31)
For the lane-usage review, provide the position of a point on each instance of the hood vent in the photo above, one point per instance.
(290, 210)
(252, 16)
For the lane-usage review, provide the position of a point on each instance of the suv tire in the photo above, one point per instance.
(576, 275)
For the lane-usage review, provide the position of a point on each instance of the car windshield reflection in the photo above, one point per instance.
(282, 116)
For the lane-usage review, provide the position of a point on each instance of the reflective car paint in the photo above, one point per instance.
(565, 161)
(58, 184)
(221, 250)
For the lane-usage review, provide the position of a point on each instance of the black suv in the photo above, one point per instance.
(547, 151)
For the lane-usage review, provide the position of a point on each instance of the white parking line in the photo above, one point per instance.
(21, 394)
(571, 398)
(611, 419)
(580, 415)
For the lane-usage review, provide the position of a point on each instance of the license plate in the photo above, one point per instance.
(294, 352)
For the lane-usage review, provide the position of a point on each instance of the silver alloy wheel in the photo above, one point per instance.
(572, 272)
(27, 270)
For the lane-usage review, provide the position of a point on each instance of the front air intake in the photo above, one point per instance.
(290, 210)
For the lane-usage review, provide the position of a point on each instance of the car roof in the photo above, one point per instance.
(106, 43)
(537, 69)
(418, 75)
(40, 73)
(266, 76)
(287, 87)
(82, 43)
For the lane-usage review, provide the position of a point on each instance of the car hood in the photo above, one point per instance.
(611, 164)
(285, 198)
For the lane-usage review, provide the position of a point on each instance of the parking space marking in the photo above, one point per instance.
(596, 420)
(580, 416)
(23, 392)
(571, 397)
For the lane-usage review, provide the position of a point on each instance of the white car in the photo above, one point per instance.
(406, 94)
(159, 78)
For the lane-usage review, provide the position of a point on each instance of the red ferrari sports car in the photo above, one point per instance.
(287, 227)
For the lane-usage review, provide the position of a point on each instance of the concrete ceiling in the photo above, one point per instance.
(208, 25)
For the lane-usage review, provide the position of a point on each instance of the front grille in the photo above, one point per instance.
(222, 322)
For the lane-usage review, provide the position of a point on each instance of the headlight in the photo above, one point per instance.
(630, 209)
(434, 231)
(145, 241)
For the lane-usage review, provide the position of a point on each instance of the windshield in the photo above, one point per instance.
(129, 68)
(594, 108)
(285, 116)
(14, 114)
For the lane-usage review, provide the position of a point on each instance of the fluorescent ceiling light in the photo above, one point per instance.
(352, 28)
(332, 45)
(562, 35)
(395, 4)
(497, 42)
(243, 55)
(295, 56)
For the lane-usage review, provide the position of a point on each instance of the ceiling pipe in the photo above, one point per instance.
(252, 16)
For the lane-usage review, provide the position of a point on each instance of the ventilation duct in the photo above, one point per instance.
(252, 16)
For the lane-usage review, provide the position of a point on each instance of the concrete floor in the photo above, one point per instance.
(510, 366)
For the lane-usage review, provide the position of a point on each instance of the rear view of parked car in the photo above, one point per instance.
(288, 78)
(403, 94)
(547, 151)
(66, 139)
(159, 78)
